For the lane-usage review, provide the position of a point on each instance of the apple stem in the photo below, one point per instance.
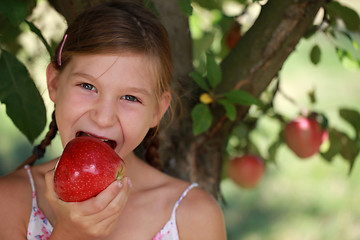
(120, 173)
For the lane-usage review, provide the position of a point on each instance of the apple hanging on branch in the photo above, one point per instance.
(246, 170)
(305, 134)
(233, 36)
(86, 167)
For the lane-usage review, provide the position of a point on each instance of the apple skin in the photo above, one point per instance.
(246, 170)
(233, 35)
(304, 136)
(86, 167)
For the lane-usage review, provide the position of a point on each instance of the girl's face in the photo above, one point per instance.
(106, 96)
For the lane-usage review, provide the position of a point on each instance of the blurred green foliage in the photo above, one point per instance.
(300, 199)
(338, 27)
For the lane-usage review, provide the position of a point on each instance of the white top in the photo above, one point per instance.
(39, 227)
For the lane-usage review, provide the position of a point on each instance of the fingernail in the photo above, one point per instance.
(130, 183)
(120, 184)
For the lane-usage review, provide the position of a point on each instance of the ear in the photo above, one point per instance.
(52, 78)
(163, 106)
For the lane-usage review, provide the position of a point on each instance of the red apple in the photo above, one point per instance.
(233, 36)
(87, 166)
(246, 171)
(304, 136)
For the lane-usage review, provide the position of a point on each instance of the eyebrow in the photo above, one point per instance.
(84, 75)
(131, 89)
(139, 90)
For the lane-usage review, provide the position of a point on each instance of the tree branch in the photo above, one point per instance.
(261, 52)
(252, 64)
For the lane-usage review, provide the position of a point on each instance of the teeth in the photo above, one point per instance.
(111, 143)
(89, 135)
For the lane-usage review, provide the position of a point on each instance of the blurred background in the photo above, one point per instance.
(307, 199)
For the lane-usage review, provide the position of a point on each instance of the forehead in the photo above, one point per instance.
(122, 66)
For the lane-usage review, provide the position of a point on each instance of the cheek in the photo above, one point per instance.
(135, 128)
(68, 110)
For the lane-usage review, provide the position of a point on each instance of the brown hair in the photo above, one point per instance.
(121, 27)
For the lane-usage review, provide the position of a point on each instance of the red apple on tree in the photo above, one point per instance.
(304, 136)
(246, 170)
(233, 36)
(87, 166)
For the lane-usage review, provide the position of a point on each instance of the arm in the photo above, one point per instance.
(94, 218)
(15, 205)
(200, 217)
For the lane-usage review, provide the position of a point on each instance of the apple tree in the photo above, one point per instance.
(227, 75)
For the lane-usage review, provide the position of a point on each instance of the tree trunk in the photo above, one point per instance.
(255, 60)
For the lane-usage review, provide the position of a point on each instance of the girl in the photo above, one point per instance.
(110, 79)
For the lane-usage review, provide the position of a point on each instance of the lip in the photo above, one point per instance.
(109, 142)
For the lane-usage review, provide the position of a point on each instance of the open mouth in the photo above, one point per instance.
(109, 142)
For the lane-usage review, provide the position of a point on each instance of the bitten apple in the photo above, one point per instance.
(246, 170)
(304, 136)
(87, 166)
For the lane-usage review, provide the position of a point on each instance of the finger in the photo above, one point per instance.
(104, 220)
(99, 203)
(117, 204)
(109, 224)
(110, 216)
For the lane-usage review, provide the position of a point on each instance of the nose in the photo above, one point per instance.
(104, 112)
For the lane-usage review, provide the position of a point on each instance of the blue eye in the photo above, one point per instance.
(88, 86)
(130, 98)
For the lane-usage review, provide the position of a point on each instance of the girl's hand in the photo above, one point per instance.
(94, 218)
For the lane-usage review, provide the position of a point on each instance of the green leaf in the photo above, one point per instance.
(241, 97)
(347, 59)
(201, 43)
(349, 16)
(8, 32)
(196, 76)
(201, 117)
(311, 31)
(229, 108)
(185, 6)
(214, 74)
(349, 150)
(15, 10)
(37, 31)
(353, 42)
(210, 5)
(315, 54)
(334, 147)
(331, 32)
(24, 105)
(273, 150)
(353, 118)
(343, 144)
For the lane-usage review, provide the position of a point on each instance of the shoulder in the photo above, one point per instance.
(16, 185)
(15, 203)
(199, 216)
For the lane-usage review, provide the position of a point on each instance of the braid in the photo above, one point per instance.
(151, 144)
(39, 150)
